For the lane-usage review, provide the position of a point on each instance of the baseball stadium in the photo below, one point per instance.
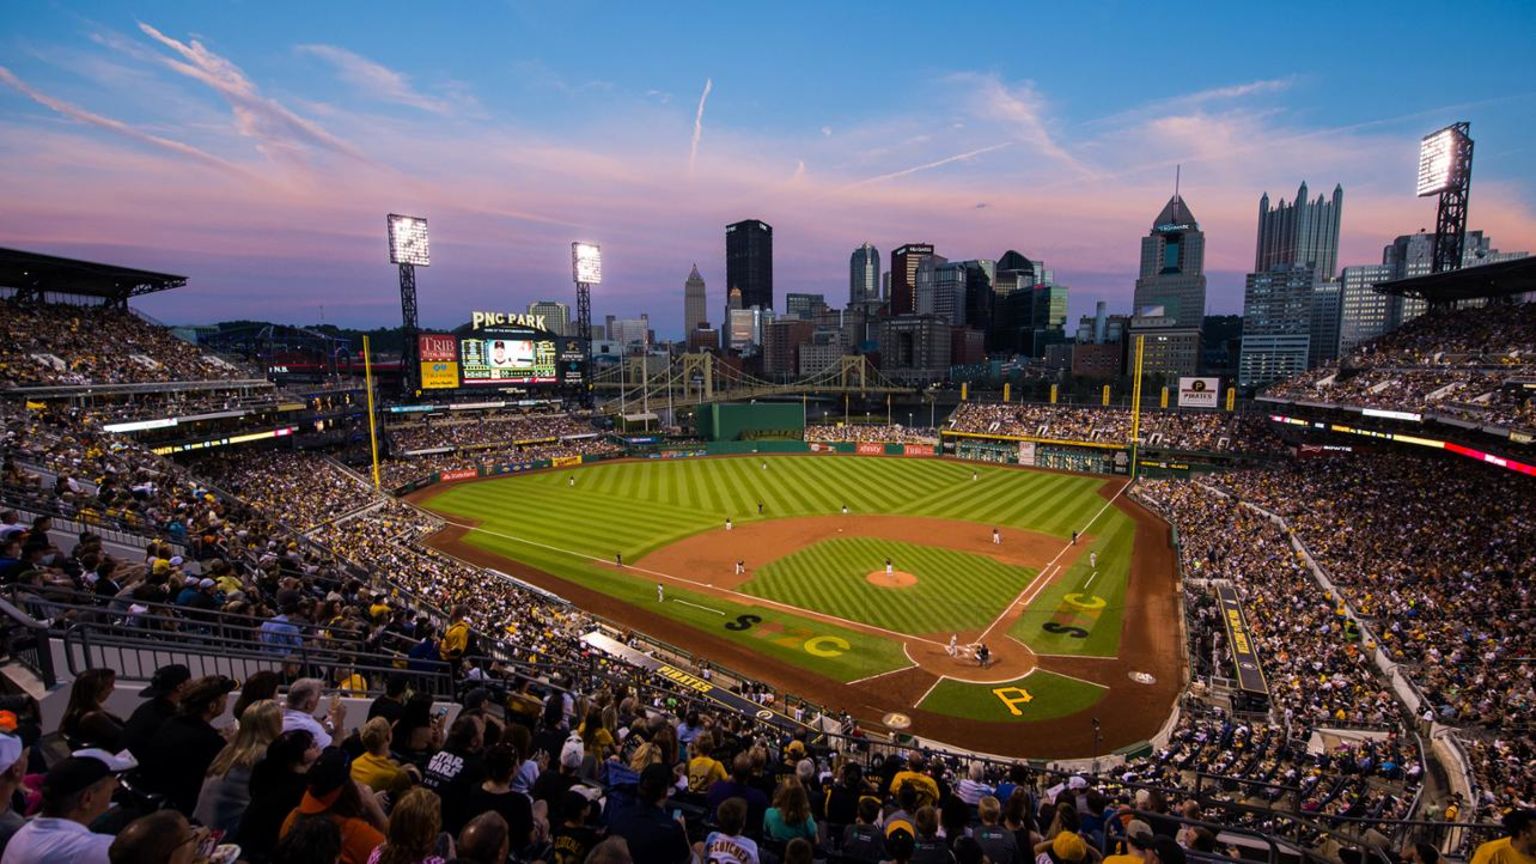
(923, 578)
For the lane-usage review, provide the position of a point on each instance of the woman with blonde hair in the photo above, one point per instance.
(376, 769)
(226, 791)
(413, 828)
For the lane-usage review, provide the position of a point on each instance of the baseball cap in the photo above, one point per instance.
(795, 748)
(572, 753)
(75, 774)
(330, 770)
(205, 690)
(205, 582)
(117, 763)
(1139, 834)
(11, 749)
(1077, 782)
(1068, 846)
(166, 680)
(176, 561)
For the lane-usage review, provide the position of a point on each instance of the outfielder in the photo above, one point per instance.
(1093, 560)
(661, 593)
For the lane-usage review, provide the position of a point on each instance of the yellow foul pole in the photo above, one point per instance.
(1136, 404)
(373, 431)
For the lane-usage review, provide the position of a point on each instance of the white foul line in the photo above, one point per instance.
(880, 675)
(936, 683)
(697, 606)
(748, 598)
(1040, 579)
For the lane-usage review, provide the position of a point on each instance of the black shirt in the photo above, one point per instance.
(513, 807)
(387, 708)
(454, 777)
(275, 791)
(571, 845)
(180, 754)
(653, 836)
(143, 723)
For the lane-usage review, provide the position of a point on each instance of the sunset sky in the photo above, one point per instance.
(256, 147)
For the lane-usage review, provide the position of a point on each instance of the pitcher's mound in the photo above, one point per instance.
(894, 579)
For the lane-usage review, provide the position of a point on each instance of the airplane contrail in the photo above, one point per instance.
(959, 157)
(698, 124)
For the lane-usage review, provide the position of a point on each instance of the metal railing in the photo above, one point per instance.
(25, 640)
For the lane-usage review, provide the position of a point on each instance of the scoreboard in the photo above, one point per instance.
(498, 356)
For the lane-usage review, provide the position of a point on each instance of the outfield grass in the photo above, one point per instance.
(1066, 617)
(954, 590)
(635, 507)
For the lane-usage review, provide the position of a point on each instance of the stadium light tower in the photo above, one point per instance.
(408, 248)
(586, 270)
(1445, 169)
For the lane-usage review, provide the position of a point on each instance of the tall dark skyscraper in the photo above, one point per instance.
(1302, 233)
(749, 262)
(1173, 266)
(904, 263)
(864, 275)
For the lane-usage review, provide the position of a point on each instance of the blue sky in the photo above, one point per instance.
(256, 146)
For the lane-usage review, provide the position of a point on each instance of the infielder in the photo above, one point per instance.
(997, 537)
(953, 641)
(888, 569)
(1093, 560)
(727, 523)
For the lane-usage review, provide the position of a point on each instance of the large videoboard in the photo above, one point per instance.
(497, 356)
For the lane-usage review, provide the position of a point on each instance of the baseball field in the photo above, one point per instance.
(864, 583)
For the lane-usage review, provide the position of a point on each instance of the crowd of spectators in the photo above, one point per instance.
(485, 430)
(1437, 554)
(871, 434)
(304, 489)
(1205, 431)
(1466, 364)
(57, 345)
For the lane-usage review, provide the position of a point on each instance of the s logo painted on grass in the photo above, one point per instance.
(791, 636)
(1056, 627)
(1013, 697)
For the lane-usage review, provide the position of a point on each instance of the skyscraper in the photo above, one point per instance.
(904, 263)
(557, 316)
(1277, 324)
(695, 311)
(864, 275)
(749, 262)
(1173, 265)
(803, 306)
(1303, 232)
(980, 275)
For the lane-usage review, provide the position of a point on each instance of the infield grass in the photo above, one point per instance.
(632, 508)
(1040, 695)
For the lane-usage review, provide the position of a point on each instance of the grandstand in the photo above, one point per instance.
(218, 562)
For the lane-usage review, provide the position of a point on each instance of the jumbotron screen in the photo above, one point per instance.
(491, 360)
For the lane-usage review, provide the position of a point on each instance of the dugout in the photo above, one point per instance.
(751, 421)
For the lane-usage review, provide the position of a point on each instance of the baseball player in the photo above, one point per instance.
(888, 569)
(954, 641)
(845, 509)
(759, 508)
(727, 523)
(571, 481)
(618, 559)
(1093, 559)
(997, 537)
(661, 593)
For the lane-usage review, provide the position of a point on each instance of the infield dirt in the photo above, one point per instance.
(1129, 711)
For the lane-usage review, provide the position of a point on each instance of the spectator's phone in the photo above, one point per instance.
(677, 814)
(441, 712)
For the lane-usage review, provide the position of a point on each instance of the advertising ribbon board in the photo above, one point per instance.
(565, 461)
(869, 449)
(462, 474)
(1250, 675)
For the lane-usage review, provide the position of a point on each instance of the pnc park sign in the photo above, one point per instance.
(478, 320)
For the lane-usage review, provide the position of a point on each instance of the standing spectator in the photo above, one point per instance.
(76, 791)
(281, 634)
(187, 744)
(226, 791)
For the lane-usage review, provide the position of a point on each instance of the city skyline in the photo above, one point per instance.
(257, 157)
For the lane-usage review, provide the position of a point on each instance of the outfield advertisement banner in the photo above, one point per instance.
(1199, 392)
(866, 448)
(1250, 675)
(462, 474)
(1027, 453)
(681, 678)
(917, 450)
(565, 461)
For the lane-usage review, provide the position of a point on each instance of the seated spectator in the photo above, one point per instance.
(414, 827)
(456, 771)
(927, 790)
(863, 840)
(739, 785)
(226, 791)
(495, 794)
(484, 841)
(332, 792)
(703, 770)
(651, 834)
(375, 768)
(573, 838)
(261, 685)
(87, 722)
(164, 837)
(419, 732)
(277, 786)
(790, 815)
(164, 694)
(727, 844)
(187, 744)
(303, 702)
(927, 846)
(76, 791)
(312, 840)
(997, 842)
(13, 770)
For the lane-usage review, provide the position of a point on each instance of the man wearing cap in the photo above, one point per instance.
(186, 745)
(13, 769)
(76, 791)
(927, 790)
(1067, 848)
(164, 693)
